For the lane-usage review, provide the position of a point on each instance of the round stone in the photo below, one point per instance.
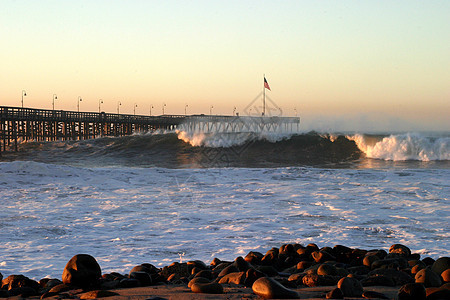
(412, 291)
(82, 270)
(207, 288)
(351, 287)
(269, 288)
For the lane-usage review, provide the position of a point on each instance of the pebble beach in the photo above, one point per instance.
(292, 271)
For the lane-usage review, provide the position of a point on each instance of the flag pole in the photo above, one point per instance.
(264, 96)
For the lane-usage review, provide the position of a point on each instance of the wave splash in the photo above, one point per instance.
(403, 147)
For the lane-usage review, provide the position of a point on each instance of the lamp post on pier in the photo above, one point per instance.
(99, 102)
(164, 105)
(151, 106)
(78, 103)
(24, 93)
(118, 106)
(210, 110)
(134, 109)
(53, 102)
(234, 110)
(185, 109)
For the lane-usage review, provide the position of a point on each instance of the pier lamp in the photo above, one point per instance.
(99, 102)
(24, 93)
(234, 110)
(118, 107)
(78, 103)
(185, 109)
(53, 102)
(295, 110)
(164, 105)
(151, 106)
(210, 109)
(134, 109)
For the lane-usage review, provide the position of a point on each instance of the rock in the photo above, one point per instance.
(254, 257)
(180, 269)
(359, 270)
(1, 277)
(147, 268)
(268, 270)
(374, 295)
(398, 277)
(23, 291)
(350, 287)
(428, 261)
(412, 291)
(4, 294)
(241, 264)
(251, 275)
(51, 283)
(235, 278)
(440, 265)
(228, 270)
(335, 294)
(143, 278)
(82, 270)
(370, 259)
(17, 281)
(197, 264)
(304, 265)
(377, 280)
(60, 288)
(319, 280)
(390, 263)
(198, 280)
(270, 258)
(322, 256)
(129, 283)
(438, 294)
(215, 262)
(207, 288)
(417, 268)
(446, 275)
(97, 294)
(428, 278)
(326, 269)
(269, 288)
(205, 273)
(400, 249)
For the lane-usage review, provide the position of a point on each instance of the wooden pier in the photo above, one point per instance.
(28, 124)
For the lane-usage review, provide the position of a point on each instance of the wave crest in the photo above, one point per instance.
(410, 146)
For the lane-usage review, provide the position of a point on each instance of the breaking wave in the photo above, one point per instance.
(403, 147)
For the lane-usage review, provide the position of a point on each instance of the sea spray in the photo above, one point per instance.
(402, 147)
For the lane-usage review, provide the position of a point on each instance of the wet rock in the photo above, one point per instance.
(235, 278)
(412, 291)
(197, 264)
(60, 288)
(269, 288)
(390, 263)
(205, 273)
(267, 270)
(359, 270)
(207, 288)
(303, 265)
(370, 259)
(322, 256)
(428, 278)
(215, 262)
(438, 294)
(417, 268)
(82, 270)
(98, 294)
(350, 287)
(440, 265)
(241, 264)
(147, 268)
(335, 294)
(374, 295)
(129, 283)
(428, 261)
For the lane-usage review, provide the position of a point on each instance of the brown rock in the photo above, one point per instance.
(374, 295)
(428, 278)
(412, 291)
(398, 277)
(82, 270)
(254, 257)
(326, 269)
(228, 270)
(400, 249)
(198, 280)
(351, 287)
(207, 288)
(269, 288)
(98, 294)
(446, 275)
(18, 281)
(335, 294)
(235, 278)
(441, 264)
(251, 275)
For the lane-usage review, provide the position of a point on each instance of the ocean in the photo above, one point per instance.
(174, 196)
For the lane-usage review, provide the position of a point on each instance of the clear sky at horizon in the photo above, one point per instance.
(340, 65)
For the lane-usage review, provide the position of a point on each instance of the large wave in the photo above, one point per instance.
(402, 147)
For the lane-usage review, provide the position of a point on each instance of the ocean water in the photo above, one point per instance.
(164, 197)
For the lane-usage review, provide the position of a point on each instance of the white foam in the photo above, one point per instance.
(405, 147)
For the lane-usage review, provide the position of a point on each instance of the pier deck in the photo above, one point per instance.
(30, 124)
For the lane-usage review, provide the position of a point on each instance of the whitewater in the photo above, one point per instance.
(165, 197)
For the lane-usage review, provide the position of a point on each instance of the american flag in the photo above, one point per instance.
(266, 85)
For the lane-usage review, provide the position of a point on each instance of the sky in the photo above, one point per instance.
(338, 65)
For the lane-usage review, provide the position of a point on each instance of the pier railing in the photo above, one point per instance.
(23, 124)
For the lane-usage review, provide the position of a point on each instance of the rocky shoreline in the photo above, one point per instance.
(290, 272)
